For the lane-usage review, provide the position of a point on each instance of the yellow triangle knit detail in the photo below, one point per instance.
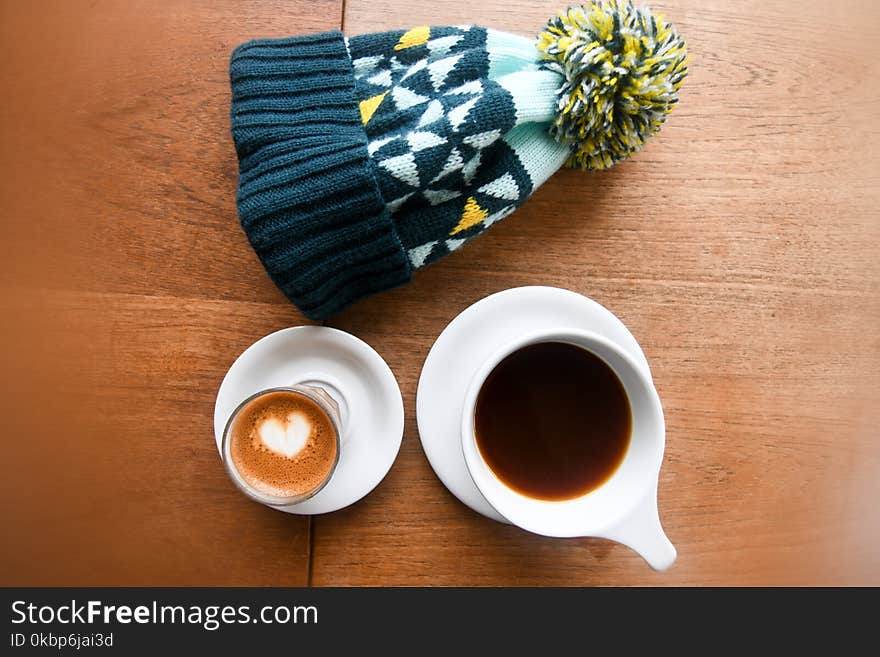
(414, 37)
(472, 215)
(370, 105)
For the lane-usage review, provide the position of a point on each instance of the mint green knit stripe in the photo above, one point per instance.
(514, 64)
(509, 53)
(540, 155)
(534, 95)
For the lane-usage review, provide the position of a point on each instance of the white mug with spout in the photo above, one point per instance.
(623, 508)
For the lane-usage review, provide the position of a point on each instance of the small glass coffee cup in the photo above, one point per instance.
(320, 398)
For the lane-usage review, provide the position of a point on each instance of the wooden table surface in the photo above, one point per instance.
(740, 247)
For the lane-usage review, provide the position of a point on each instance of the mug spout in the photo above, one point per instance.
(641, 531)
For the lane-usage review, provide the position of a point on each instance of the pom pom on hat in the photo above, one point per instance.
(622, 68)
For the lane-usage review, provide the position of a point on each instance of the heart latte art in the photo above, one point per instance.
(283, 444)
(288, 438)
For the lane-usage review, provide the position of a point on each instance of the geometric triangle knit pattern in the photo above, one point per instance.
(435, 124)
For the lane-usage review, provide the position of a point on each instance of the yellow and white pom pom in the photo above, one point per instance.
(622, 69)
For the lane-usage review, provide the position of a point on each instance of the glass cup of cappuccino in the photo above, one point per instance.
(281, 445)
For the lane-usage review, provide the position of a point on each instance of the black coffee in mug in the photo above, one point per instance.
(552, 421)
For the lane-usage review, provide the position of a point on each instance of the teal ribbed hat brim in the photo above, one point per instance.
(307, 196)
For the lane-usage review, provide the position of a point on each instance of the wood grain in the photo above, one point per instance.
(741, 249)
(128, 289)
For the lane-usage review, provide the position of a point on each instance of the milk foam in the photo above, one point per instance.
(286, 438)
(283, 444)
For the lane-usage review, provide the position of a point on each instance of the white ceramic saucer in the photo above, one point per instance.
(371, 405)
(468, 341)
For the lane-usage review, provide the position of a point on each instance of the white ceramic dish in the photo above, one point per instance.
(463, 347)
(355, 375)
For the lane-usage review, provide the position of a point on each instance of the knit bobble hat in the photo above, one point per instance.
(366, 158)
